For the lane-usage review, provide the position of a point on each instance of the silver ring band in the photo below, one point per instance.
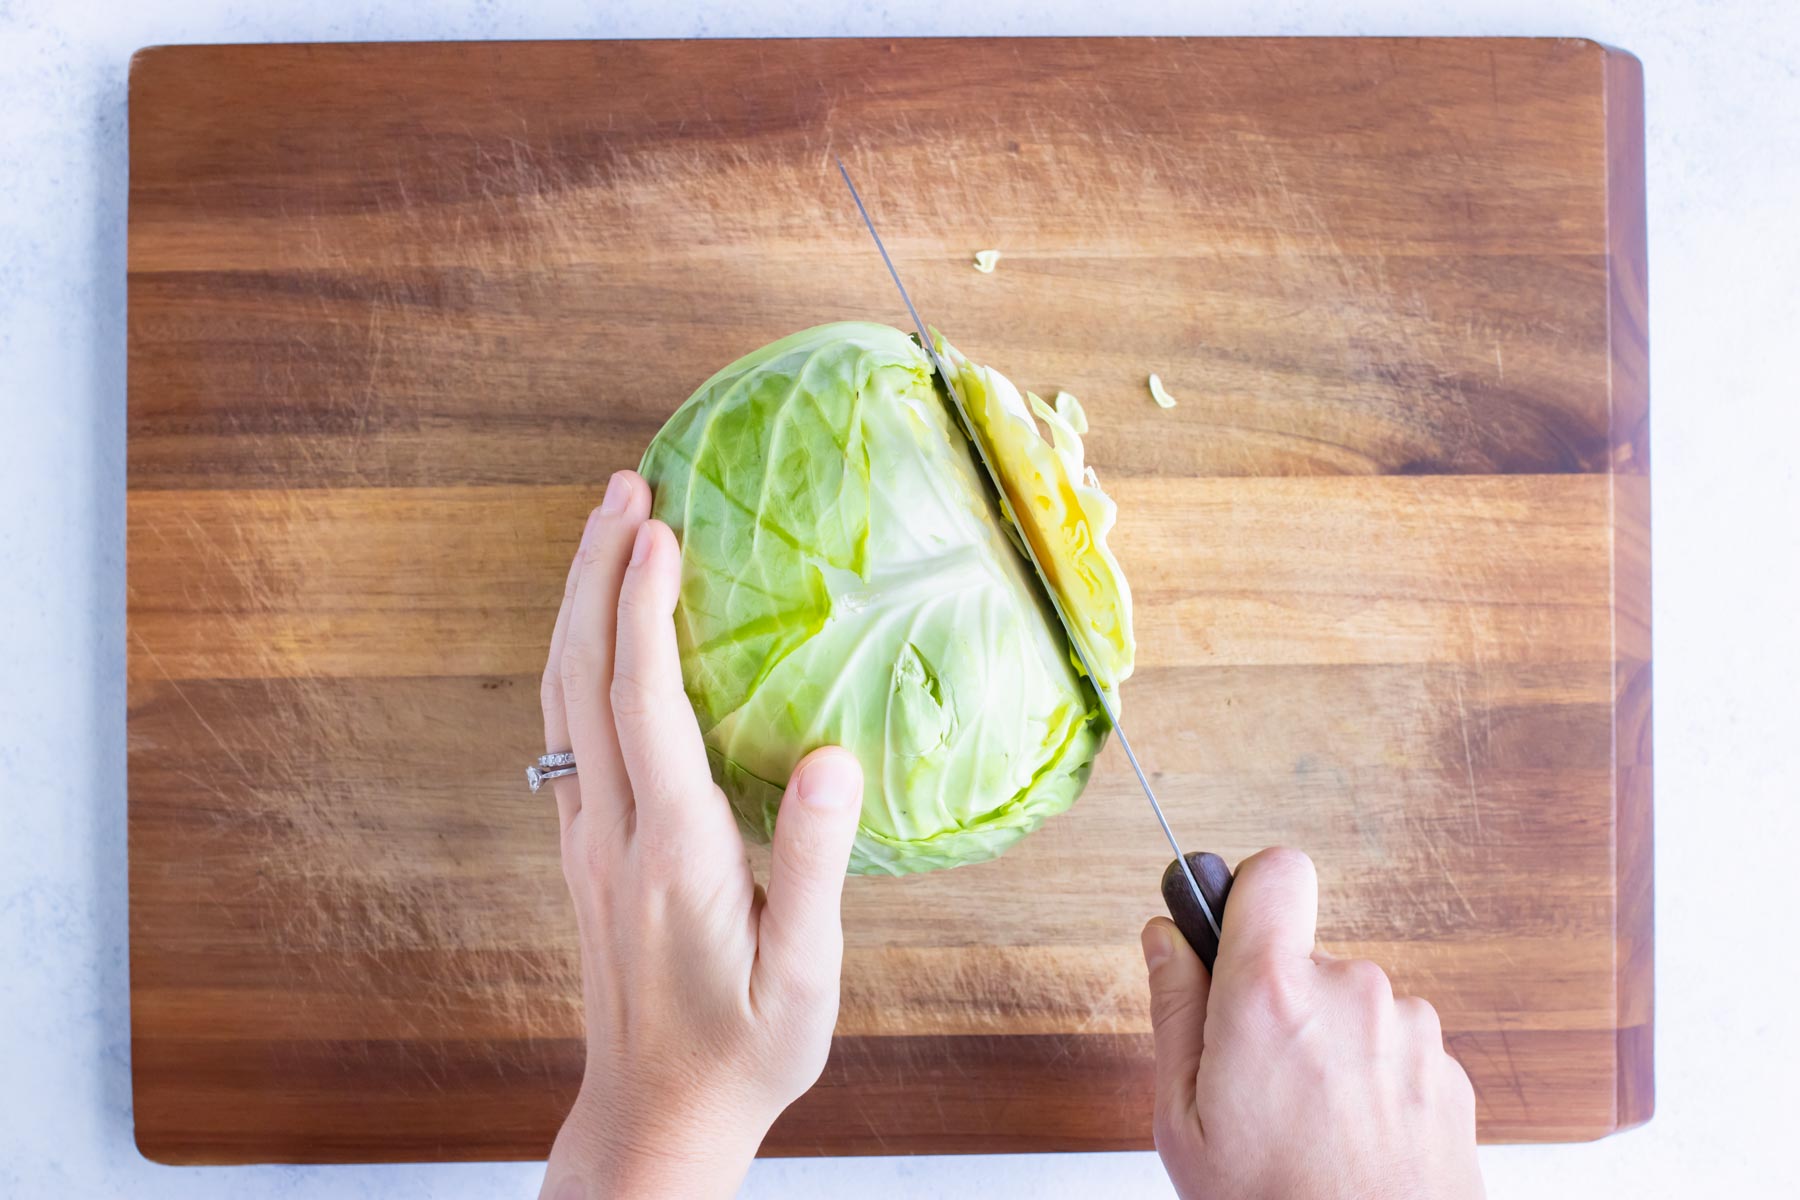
(557, 758)
(536, 776)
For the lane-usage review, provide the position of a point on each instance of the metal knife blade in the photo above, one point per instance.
(1081, 654)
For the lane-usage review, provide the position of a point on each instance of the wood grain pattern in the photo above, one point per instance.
(396, 311)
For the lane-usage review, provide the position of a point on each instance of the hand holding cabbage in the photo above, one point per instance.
(709, 1002)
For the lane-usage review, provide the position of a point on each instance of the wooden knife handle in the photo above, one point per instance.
(1214, 878)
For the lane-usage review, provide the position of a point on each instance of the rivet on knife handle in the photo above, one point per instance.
(1214, 878)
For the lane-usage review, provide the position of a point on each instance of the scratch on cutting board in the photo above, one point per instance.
(1103, 1013)
(1449, 877)
(1462, 722)
(224, 745)
(370, 397)
(1512, 1070)
(204, 784)
(870, 1122)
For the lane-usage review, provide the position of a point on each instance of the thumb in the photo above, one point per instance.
(801, 935)
(1179, 987)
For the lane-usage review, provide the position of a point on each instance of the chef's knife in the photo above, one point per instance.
(1194, 886)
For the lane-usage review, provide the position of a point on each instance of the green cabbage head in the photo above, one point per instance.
(847, 580)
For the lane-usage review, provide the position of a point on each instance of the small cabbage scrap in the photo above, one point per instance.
(1160, 394)
(1060, 507)
(1078, 415)
(985, 260)
(847, 580)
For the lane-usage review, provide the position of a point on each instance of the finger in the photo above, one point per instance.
(550, 693)
(1420, 1020)
(800, 940)
(1179, 989)
(1274, 910)
(1455, 1084)
(586, 664)
(659, 738)
(1366, 989)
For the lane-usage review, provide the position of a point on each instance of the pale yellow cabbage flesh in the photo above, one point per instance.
(1057, 502)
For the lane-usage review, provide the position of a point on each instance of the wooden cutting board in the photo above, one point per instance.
(396, 311)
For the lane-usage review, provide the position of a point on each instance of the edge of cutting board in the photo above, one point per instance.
(1628, 336)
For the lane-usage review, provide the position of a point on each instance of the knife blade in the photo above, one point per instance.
(1196, 909)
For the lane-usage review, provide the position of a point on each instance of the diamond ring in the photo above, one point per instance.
(549, 766)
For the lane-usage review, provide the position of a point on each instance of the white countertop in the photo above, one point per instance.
(1724, 195)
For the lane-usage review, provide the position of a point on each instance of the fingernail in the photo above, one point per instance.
(831, 781)
(640, 549)
(1157, 946)
(618, 492)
